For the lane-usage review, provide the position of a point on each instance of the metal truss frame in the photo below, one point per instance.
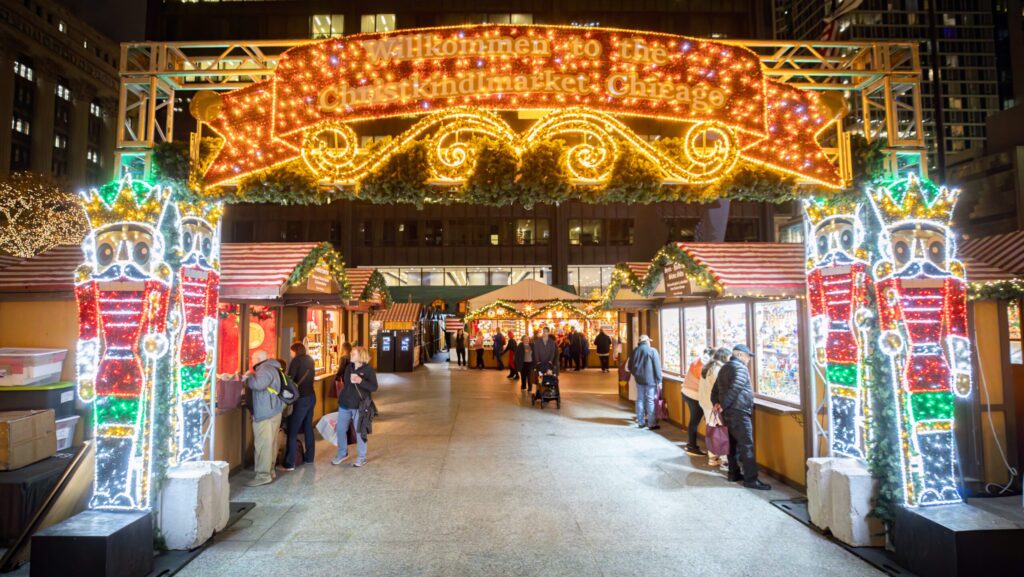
(880, 80)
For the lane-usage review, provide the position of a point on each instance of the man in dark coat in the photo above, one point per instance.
(575, 347)
(603, 345)
(733, 396)
(499, 348)
(545, 351)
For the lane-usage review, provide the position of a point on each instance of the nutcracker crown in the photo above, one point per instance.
(914, 198)
(820, 209)
(125, 200)
(211, 212)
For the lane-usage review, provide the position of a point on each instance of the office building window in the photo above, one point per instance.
(682, 229)
(62, 91)
(60, 141)
(742, 230)
(408, 231)
(23, 70)
(20, 125)
(585, 232)
(92, 156)
(377, 23)
(293, 231)
(620, 231)
(95, 110)
(366, 232)
(455, 19)
(326, 25)
(389, 236)
(433, 233)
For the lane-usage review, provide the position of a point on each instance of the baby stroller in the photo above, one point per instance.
(547, 389)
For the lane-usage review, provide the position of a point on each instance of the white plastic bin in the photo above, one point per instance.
(66, 432)
(24, 366)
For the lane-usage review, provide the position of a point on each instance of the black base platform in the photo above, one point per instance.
(958, 540)
(95, 544)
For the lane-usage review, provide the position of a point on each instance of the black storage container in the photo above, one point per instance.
(59, 396)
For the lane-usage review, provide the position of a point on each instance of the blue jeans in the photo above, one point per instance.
(645, 395)
(346, 417)
(301, 420)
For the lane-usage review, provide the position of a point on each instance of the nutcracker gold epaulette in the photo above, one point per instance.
(211, 212)
(821, 209)
(125, 200)
(914, 198)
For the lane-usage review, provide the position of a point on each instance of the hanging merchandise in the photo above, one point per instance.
(122, 290)
(195, 311)
(838, 283)
(922, 316)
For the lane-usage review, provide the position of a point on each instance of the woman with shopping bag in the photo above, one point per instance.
(358, 382)
(715, 426)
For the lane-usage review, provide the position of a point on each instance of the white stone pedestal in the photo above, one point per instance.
(194, 503)
(839, 494)
(852, 491)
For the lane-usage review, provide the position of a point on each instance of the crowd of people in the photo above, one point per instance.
(717, 388)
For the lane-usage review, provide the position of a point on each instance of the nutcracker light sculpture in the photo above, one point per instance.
(122, 289)
(838, 288)
(922, 316)
(197, 292)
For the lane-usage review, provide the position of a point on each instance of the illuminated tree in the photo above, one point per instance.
(36, 214)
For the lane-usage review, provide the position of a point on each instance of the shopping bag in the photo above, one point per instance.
(229, 394)
(717, 435)
(326, 425)
(660, 405)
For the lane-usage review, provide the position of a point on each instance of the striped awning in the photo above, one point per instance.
(51, 271)
(981, 271)
(1003, 251)
(7, 260)
(399, 315)
(639, 268)
(752, 268)
(358, 278)
(259, 270)
(454, 324)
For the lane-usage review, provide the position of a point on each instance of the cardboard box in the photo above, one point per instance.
(26, 437)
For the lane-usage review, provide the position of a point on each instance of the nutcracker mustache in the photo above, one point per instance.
(838, 257)
(119, 271)
(917, 268)
(197, 259)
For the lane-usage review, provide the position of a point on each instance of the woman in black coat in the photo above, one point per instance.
(359, 381)
(524, 362)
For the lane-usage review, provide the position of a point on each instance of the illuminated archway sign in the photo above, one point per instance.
(580, 80)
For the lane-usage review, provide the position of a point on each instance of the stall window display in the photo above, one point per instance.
(730, 324)
(671, 351)
(777, 352)
(263, 330)
(695, 324)
(1014, 331)
(374, 331)
(314, 340)
(230, 340)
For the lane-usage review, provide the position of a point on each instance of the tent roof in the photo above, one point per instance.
(528, 290)
(1002, 251)
(752, 268)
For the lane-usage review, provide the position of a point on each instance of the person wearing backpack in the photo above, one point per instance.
(302, 371)
(264, 380)
(355, 405)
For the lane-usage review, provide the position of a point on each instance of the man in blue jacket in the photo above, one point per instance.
(499, 348)
(733, 396)
(645, 366)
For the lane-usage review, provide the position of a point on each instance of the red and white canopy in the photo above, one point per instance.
(50, 272)
(259, 270)
(1002, 251)
(752, 268)
(7, 260)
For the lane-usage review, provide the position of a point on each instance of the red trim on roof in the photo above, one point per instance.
(399, 313)
(753, 268)
(1003, 251)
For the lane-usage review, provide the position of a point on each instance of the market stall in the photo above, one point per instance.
(531, 305)
(395, 335)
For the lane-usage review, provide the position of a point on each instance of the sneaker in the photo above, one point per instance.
(337, 461)
(359, 463)
(641, 426)
(286, 468)
(694, 451)
(714, 462)
(256, 482)
(758, 485)
(653, 427)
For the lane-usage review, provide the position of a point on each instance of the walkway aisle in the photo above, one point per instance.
(464, 478)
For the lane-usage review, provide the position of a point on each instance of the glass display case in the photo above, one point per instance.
(314, 340)
(777, 352)
(229, 340)
(671, 347)
(1014, 331)
(730, 324)
(695, 323)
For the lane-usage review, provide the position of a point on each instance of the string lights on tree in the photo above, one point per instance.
(36, 215)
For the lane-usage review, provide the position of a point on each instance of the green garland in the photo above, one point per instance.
(669, 254)
(499, 305)
(323, 253)
(288, 183)
(542, 176)
(493, 181)
(401, 179)
(1004, 290)
(377, 284)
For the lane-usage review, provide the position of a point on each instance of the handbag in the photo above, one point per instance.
(229, 394)
(717, 434)
(660, 405)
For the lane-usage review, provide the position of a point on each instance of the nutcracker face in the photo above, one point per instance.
(124, 250)
(921, 243)
(198, 243)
